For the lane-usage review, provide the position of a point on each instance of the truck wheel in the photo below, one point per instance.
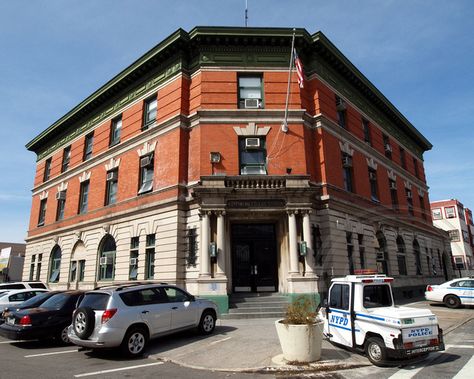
(452, 301)
(375, 351)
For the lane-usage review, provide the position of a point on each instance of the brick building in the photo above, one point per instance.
(178, 170)
(451, 216)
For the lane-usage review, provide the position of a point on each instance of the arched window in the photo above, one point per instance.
(55, 264)
(417, 253)
(401, 256)
(107, 251)
(382, 254)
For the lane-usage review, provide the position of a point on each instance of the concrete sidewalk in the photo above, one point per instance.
(251, 345)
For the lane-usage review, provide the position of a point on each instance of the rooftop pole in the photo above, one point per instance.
(246, 13)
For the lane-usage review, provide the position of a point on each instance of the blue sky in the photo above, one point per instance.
(54, 53)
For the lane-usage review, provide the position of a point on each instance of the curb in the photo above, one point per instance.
(325, 366)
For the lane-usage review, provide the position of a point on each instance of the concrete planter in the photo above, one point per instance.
(300, 343)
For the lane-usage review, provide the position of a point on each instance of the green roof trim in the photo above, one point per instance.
(167, 52)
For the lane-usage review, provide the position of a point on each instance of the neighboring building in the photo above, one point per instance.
(450, 215)
(12, 257)
(178, 170)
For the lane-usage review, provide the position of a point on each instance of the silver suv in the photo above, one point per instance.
(128, 316)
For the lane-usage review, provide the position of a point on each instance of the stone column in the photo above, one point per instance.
(205, 263)
(220, 243)
(292, 242)
(309, 259)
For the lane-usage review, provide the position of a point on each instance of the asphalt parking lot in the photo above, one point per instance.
(40, 359)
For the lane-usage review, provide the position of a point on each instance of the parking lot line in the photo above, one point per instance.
(222, 340)
(117, 369)
(459, 347)
(52, 353)
(14, 341)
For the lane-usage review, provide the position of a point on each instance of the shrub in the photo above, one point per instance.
(302, 310)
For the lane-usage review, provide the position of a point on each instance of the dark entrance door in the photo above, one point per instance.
(254, 258)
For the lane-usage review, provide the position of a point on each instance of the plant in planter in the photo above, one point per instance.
(300, 332)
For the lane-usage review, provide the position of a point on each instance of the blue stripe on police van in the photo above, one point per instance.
(372, 317)
(467, 297)
(459, 288)
(343, 327)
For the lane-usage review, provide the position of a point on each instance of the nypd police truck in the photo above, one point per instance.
(360, 313)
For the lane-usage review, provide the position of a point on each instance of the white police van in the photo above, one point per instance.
(360, 313)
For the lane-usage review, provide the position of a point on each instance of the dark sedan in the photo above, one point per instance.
(34, 302)
(50, 319)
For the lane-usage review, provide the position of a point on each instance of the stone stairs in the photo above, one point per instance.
(256, 305)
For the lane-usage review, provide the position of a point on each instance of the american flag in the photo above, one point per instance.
(299, 68)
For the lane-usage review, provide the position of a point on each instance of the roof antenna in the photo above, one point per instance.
(246, 12)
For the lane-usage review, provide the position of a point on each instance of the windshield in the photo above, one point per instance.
(56, 301)
(377, 296)
(38, 299)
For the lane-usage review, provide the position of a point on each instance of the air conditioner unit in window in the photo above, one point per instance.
(146, 161)
(252, 143)
(252, 103)
(61, 195)
(372, 176)
(340, 104)
(112, 175)
(388, 147)
(133, 261)
(103, 261)
(347, 161)
(393, 185)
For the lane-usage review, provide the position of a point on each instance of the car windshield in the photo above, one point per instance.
(56, 301)
(377, 296)
(95, 301)
(38, 299)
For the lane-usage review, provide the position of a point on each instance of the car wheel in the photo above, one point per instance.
(83, 322)
(375, 351)
(452, 301)
(134, 342)
(62, 337)
(207, 322)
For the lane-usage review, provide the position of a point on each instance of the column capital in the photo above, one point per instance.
(306, 211)
(220, 212)
(292, 211)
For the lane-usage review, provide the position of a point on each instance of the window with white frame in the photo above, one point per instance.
(55, 265)
(454, 235)
(115, 130)
(146, 173)
(437, 214)
(149, 111)
(250, 91)
(134, 252)
(253, 156)
(450, 212)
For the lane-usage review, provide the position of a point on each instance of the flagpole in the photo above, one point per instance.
(284, 126)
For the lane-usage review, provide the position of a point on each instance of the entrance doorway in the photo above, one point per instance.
(254, 258)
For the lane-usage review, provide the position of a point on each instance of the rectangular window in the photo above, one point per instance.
(146, 174)
(393, 193)
(450, 212)
(415, 164)
(461, 213)
(360, 238)
(387, 147)
(341, 112)
(134, 250)
(88, 144)
(376, 296)
(403, 159)
(111, 187)
(454, 235)
(61, 197)
(437, 214)
(81, 270)
(253, 156)
(347, 172)
(192, 247)
(366, 128)
(149, 109)
(409, 201)
(250, 92)
(83, 197)
(66, 159)
(115, 130)
(465, 236)
(42, 212)
(339, 296)
(350, 252)
(73, 273)
(150, 257)
(47, 169)
(32, 267)
(374, 191)
(38, 267)
(422, 206)
(402, 265)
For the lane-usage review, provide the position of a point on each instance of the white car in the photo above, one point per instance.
(15, 297)
(453, 293)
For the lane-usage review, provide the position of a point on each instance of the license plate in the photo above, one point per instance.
(10, 320)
